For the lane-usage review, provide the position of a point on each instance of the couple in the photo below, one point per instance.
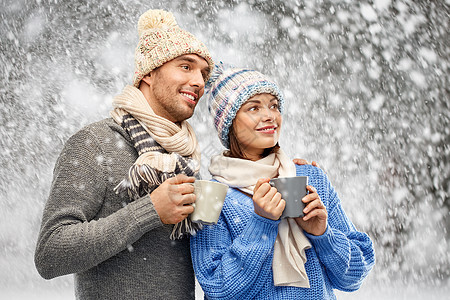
(119, 191)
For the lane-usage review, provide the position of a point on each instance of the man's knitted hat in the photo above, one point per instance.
(161, 40)
(229, 88)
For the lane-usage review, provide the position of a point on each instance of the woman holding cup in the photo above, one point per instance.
(250, 253)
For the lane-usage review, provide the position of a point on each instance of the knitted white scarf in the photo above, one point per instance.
(289, 250)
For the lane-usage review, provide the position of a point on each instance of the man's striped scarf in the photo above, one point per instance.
(143, 179)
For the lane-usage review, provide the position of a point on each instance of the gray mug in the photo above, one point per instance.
(292, 190)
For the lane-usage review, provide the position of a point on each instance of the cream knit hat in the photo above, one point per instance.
(161, 40)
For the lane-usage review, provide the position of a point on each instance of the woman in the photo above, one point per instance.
(250, 253)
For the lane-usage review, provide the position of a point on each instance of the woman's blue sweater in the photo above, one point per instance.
(233, 259)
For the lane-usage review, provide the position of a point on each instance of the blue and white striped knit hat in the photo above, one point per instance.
(229, 88)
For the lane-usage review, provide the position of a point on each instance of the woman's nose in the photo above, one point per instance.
(267, 114)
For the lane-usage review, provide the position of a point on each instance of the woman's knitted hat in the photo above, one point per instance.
(161, 40)
(229, 88)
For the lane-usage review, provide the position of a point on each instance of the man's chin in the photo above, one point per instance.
(185, 116)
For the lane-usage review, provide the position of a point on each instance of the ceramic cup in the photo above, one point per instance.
(292, 190)
(210, 196)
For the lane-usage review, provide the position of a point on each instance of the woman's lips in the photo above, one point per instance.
(267, 129)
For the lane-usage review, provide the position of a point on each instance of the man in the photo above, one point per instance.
(119, 184)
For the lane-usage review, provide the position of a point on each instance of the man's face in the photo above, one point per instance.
(176, 87)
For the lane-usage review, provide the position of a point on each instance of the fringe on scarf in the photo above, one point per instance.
(143, 179)
(136, 185)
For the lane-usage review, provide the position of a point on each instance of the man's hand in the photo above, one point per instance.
(172, 199)
(301, 161)
(267, 200)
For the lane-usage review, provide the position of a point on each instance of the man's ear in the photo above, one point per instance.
(147, 79)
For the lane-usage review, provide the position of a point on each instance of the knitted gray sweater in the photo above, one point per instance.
(117, 249)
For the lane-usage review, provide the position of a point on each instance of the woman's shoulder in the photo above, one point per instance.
(316, 176)
(309, 170)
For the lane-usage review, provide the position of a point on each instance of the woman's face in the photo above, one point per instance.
(257, 125)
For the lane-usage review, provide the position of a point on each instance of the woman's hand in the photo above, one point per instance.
(315, 220)
(267, 200)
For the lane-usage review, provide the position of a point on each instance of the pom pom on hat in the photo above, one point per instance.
(161, 40)
(156, 18)
(217, 71)
(229, 88)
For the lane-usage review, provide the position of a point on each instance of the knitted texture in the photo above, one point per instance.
(161, 40)
(165, 149)
(233, 259)
(152, 177)
(172, 137)
(117, 248)
(229, 88)
(142, 179)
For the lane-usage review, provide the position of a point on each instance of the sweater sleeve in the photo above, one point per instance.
(233, 269)
(72, 239)
(347, 254)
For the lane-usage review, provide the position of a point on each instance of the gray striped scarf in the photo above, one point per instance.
(143, 179)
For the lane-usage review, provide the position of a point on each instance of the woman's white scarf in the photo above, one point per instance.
(175, 151)
(289, 250)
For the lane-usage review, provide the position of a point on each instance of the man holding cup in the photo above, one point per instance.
(118, 186)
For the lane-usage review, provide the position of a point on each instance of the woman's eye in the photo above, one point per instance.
(254, 108)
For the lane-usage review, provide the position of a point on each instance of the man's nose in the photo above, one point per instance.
(197, 79)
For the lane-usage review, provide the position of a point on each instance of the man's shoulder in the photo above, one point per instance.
(101, 131)
(106, 124)
(103, 127)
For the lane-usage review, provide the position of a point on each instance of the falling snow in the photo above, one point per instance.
(366, 88)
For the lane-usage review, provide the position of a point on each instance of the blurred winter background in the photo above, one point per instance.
(367, 88)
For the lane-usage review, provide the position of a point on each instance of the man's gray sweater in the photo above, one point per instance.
(116, 248)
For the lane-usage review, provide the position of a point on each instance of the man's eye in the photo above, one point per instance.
(185, 67)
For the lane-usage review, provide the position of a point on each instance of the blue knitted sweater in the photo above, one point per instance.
(233, 259)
